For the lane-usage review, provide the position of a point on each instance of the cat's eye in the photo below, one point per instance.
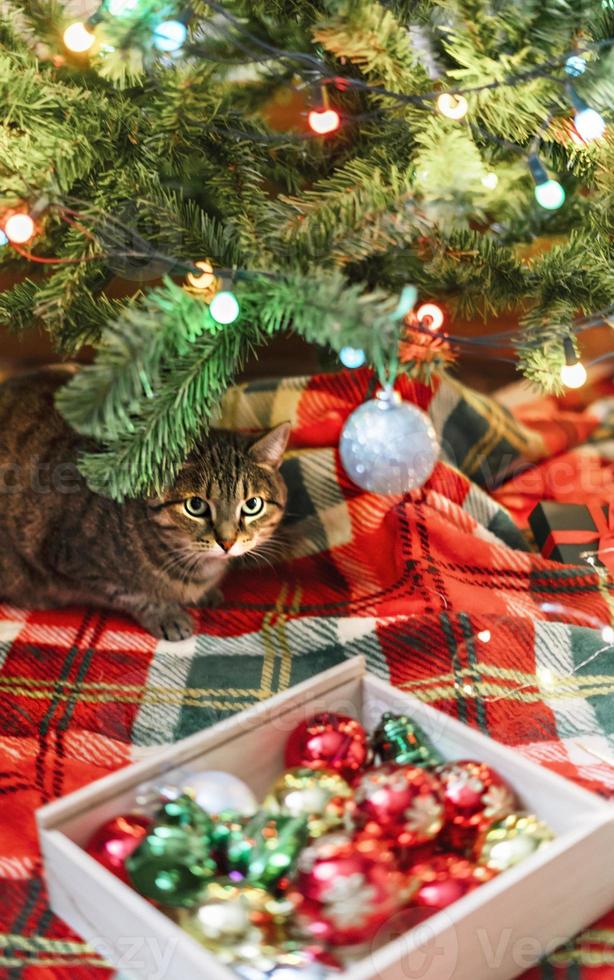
(253, 506)
(196, 506)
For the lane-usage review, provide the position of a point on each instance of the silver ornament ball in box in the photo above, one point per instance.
(388, 445)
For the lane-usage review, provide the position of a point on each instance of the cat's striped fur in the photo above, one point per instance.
(62, 544)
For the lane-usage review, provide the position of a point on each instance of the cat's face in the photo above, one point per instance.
(229, 497)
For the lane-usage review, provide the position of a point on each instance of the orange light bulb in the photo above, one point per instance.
(19, 228)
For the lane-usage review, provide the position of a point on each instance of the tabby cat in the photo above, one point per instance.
(62, 544)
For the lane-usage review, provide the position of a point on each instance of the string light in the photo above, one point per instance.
(430, 315)
(77, 38)
(575, 65)
(324, 121)
(3, 239)
(490, 180)
(452, 106)
(549, 194)
(590, 125)
(206, 279)
(352, 357)
(19, 228)
(170, 35)
(224, 307)
(573, 372)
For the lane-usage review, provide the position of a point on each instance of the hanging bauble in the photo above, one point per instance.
(171, 866)
(475, 796)
(216, 791)
(444, 878)
(388, 445)
(341, 896)
(185, 813)
(265, 851)
(237, 922)
(329, 741)
(509, 841)
(399, 739)
(404, 801)
(323, 797)
(112, 843)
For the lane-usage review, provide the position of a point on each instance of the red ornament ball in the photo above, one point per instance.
(475, 796)
(112, 843)
(405, 802)
(444, 878)
(343, 896)
(329, 741)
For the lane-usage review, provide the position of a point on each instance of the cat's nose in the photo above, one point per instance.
(226, 543)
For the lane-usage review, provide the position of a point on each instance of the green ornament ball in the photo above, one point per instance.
(267, 848)
(184, 813)
(400, 740)
(171, 866)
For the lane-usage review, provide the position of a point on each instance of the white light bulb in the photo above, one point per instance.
(77, 38)
(452, 106)
(573, 375)
(589, 124)
(490, 180)
(430, 315)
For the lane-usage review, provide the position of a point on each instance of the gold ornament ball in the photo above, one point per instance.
(322, 796)
(512, 840)
(234, 921)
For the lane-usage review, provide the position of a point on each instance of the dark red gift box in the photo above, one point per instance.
(575, 533)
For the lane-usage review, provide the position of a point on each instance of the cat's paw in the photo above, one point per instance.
(168, 623)
(211, 599)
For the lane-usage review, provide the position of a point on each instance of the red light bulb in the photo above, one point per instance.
(323, 121)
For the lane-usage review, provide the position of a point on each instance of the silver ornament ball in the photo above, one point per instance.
(216, 791)
(388, 445)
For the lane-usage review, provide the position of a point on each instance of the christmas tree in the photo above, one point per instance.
(341, 168)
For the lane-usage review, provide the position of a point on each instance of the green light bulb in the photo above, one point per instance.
(549, 194)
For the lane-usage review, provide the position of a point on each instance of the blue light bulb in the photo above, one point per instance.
(170, 35)
(224, 307)
(590, 125)
(352, 357)
(3, 239)
(575, 65)
(549, 194)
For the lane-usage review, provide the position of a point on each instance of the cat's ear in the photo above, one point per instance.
(269, 449)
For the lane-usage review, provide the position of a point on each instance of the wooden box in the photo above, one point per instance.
(496, 932)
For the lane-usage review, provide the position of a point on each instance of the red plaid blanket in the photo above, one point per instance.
(438, 589)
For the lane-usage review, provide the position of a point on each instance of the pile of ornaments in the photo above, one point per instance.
(355, 831)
